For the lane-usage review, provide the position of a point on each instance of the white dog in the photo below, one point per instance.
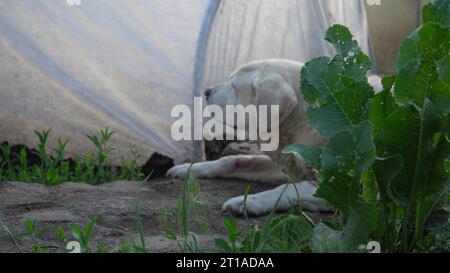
(268, 82)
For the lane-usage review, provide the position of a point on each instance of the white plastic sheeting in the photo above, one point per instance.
(125, 64)
(291, 29)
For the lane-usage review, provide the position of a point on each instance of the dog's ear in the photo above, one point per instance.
(274, 90)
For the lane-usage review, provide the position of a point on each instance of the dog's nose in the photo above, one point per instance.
(208, 92)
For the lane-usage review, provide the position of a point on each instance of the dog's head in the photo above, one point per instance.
(255, 85)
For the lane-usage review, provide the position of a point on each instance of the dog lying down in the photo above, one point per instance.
(267, 82)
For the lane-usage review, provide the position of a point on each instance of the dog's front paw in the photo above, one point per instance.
(198, 170)
(254, 206)
(179, 171)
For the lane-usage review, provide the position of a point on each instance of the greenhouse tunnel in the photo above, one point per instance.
(125, 64)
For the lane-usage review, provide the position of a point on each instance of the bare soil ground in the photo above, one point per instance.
(113, 207)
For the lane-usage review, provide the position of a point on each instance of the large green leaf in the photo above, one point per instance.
(440, 89)
(309, 154)
(409, 133)
(423, 79)
(327, 240)
(338, 95)
(361, 222)
(443, 66)
(385, 170)
(423, 66)
(349, 54)
(441, 172)
(345, 158)
(337, 90)
(382, 105)
(437, 11)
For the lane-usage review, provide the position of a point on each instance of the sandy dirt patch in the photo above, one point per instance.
(113, 207)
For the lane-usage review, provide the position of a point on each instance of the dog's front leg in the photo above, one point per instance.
(208, 169)
(287, 196)
(249, 167)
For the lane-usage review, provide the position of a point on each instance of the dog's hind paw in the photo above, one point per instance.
(253, 206)
(279, 199)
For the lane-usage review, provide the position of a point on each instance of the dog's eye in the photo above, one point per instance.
(232, 85)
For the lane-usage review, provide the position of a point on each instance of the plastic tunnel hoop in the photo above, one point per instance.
(213, 6)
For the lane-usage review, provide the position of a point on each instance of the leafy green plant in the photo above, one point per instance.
(36, 235)
(177, 227)
(42, 147)
(61, 237)
(126, 244)
(290, 232)
(53, 171)
(63, 167)
(11, 237)
(140, 228)
(22, 168)
(103, 151)
(42, 241)
(233, 234)
(47, 171)
(83, 235)
(385, 167)
(129, 169)
(141, 247)
(6, 166)
(89, 174)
